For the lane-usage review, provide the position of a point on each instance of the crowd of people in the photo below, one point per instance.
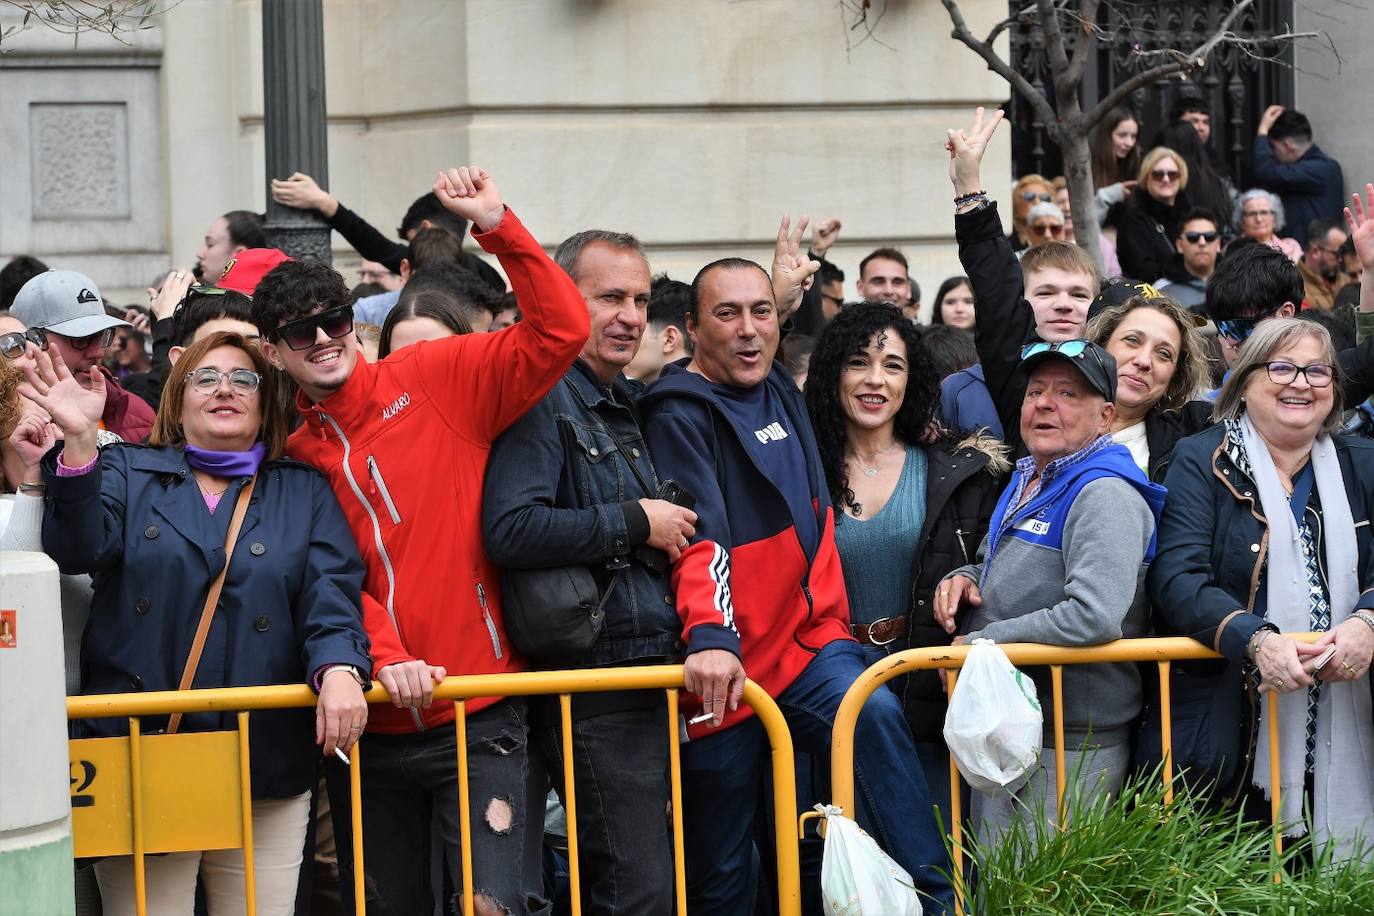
(265, 477)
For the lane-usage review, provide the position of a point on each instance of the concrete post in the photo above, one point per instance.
(294, 123)
(35, 806)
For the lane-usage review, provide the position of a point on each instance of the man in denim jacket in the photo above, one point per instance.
(572, 483)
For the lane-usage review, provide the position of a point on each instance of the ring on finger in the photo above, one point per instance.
(1348, 668)
(1279, 684)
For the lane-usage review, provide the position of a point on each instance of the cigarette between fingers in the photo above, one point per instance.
(342, 756)
(704, 717)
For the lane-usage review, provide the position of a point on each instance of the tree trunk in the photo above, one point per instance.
(1078, 171)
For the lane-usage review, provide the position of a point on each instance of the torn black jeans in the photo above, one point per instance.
(410, 784)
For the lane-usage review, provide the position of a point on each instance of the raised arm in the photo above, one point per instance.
(489, 380)
(304, 193)
(1005, 320)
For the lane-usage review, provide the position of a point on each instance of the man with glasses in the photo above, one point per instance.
(1321, 264)
(1045, 222)
(1255, 283)
(404, 443)
(1199, 242)
(65, 315)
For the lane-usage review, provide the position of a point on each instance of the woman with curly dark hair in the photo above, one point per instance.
(912, 500)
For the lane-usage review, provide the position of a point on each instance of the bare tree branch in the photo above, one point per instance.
(1182, 63)
(1007, 23)
(115, 18)
(1018, 82)
(1087, 40)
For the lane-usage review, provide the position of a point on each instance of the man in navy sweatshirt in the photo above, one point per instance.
(760, 592)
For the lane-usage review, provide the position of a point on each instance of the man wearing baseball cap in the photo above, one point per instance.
(68, 311)
(1076, 519)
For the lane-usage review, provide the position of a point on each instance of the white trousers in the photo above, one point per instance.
(278, 842)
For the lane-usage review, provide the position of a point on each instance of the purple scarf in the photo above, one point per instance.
(226, 464)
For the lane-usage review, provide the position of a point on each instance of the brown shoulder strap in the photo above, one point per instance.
(207, 613)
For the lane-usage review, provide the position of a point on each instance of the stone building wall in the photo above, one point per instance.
(694, 125)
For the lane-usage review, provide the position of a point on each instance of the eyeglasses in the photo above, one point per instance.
(1256, 214)
(1054, 229)
(1195, 237)
(301, 333)
(1165, 176)
(1073, 349)
(13, 344)
(1282, 372)
(106, 337)
(207, 379)
(1031, 197)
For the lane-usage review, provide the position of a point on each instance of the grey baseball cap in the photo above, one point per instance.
(64, 302)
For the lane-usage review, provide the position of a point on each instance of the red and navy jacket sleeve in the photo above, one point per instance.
(682, 440)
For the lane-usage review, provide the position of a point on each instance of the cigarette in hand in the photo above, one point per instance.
(342, 756)
(704, 717)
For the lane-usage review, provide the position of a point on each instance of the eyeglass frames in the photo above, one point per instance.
(1195, 237)
(1165, 175)
(206, 380)
(1282, 372)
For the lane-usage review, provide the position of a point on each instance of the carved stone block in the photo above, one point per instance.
(80, 156)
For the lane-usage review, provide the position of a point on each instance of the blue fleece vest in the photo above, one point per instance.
(1041, 521)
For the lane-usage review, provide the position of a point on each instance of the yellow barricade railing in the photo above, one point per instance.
(1160, 650)
(184, 833)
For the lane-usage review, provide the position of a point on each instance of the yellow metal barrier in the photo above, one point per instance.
(1162, 651)
(233, 821)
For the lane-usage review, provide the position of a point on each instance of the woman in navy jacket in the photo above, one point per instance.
(1266, 531)
(149, 524)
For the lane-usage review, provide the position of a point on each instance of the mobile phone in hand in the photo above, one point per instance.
(1323, 659)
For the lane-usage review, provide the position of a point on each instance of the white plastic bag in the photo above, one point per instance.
(857, 877)
(994, 724)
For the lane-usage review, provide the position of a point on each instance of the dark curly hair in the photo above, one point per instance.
(848, 334)
(294, 289)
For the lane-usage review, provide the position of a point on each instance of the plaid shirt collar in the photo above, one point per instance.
(1025, 469)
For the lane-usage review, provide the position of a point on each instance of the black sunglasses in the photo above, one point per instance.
(301, 333)
(1195, 237)
(106, 337)
(1031, 197)
(13, 344)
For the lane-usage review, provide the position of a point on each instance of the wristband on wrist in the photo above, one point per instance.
(972, 195)
(1258, 639)
(1364, 617)
(968, 205)
(349, 668)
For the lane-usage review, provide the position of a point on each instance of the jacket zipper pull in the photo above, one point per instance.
(371, 475)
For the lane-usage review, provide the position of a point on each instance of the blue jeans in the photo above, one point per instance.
(620, 771)
(410, 795)
(725, 775)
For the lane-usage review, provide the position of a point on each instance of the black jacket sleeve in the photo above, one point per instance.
(1357, 371)
(1005, 320)
(366, 240)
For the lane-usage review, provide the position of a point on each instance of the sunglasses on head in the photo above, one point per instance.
(301, 333)
(1195, 237)
(1164, 175)
(1073, 349)
(13, 344)
(1031, 197)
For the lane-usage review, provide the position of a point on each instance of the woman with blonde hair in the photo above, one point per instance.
(1150, 223)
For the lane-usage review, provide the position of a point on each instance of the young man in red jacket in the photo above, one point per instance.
(405, 443)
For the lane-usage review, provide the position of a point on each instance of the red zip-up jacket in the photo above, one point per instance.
(404, 444)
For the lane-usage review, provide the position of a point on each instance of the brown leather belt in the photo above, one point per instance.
(879, 632)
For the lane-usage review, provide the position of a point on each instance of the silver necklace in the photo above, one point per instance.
(864, 466)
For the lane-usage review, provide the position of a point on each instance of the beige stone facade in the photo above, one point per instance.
(694, 125)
